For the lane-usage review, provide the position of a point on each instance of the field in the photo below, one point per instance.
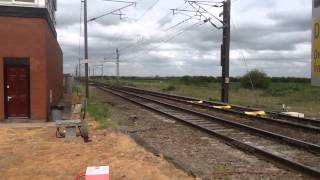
(297, 96)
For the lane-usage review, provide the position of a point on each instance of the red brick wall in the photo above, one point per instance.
(55, 69)
(31, 38)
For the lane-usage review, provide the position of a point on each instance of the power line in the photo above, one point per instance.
(172, 27)
(169, 39)
(136, 43)
(199, 10)
(120, 1)
(112, 12)
(178, 24)
(244, 59)
(137, 20)
(143, 43)
(148, 9)
(162, 42)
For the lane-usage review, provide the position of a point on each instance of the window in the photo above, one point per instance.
(18, 1)
(29, 1)
(316, 3)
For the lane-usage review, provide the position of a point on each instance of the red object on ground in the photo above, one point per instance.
(82, 174)
(97, 173)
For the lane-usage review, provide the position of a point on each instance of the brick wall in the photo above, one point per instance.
(31, 38)
(55, 69)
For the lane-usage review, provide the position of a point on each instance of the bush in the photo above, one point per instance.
(169, 88)
(260, 80)
(283, 90)
(197, 80)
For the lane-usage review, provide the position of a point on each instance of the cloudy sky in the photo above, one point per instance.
(270, 35)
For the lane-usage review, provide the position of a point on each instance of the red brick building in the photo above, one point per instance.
(31, 60)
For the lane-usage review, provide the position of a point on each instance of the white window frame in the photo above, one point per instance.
(17, 3)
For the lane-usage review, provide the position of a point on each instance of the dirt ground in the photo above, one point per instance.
(35, 153)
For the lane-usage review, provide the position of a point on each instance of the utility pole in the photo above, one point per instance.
(118, 56)
(200, 10)
(102, 70)
(89, 73)
(79, 68)
(76, 70)
(225, 51)
(86, 46)
(92, 71)
(85, 20)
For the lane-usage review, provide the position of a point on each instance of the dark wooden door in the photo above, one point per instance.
(17, 90)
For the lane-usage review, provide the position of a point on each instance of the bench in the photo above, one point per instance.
(71, 126)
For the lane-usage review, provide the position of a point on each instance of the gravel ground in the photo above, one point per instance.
(297, 133)
(190, 149)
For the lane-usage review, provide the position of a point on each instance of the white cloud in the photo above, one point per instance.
(272, 35)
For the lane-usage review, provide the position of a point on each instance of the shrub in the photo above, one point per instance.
(169, 88)
(197, 80)
(283, 90)
(260, 80)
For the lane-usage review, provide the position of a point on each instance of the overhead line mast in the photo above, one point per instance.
(86, 54)
(198, 7)
(86, 47)
(225, 52)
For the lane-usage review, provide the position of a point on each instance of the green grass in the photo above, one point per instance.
(99, 111)
(300, 97)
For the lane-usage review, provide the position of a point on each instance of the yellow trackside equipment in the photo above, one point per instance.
(222, 107)
(196, 102)
(256, 113)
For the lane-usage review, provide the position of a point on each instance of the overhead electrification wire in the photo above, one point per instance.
(172, 27)
(169, 39)
(137, 20)
(144, 43)
(111, 12)
(163, 41)
(181, 22)
(148, 9)
(120, 1)
(244, 58)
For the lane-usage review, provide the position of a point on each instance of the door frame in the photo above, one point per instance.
(17, 62)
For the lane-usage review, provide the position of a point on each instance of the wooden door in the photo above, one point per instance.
(17, 92)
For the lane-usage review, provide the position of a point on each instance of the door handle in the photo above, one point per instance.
(9, 98)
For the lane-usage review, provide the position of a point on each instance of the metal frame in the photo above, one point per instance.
(10, 61)
(20, 3)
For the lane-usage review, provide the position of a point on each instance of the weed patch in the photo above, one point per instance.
(99, 111)
(169, 88)
(282, 90)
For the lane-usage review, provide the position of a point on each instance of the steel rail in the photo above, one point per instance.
(291, 141)
(240, 113)
(282, 119)
(240, 145)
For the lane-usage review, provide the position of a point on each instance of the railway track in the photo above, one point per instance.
(270, 117)
(297, 131)
(292, 153)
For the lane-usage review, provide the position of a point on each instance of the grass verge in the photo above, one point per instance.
(299, 96)
(99, 111)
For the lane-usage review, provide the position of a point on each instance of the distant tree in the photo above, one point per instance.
(257, 78)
